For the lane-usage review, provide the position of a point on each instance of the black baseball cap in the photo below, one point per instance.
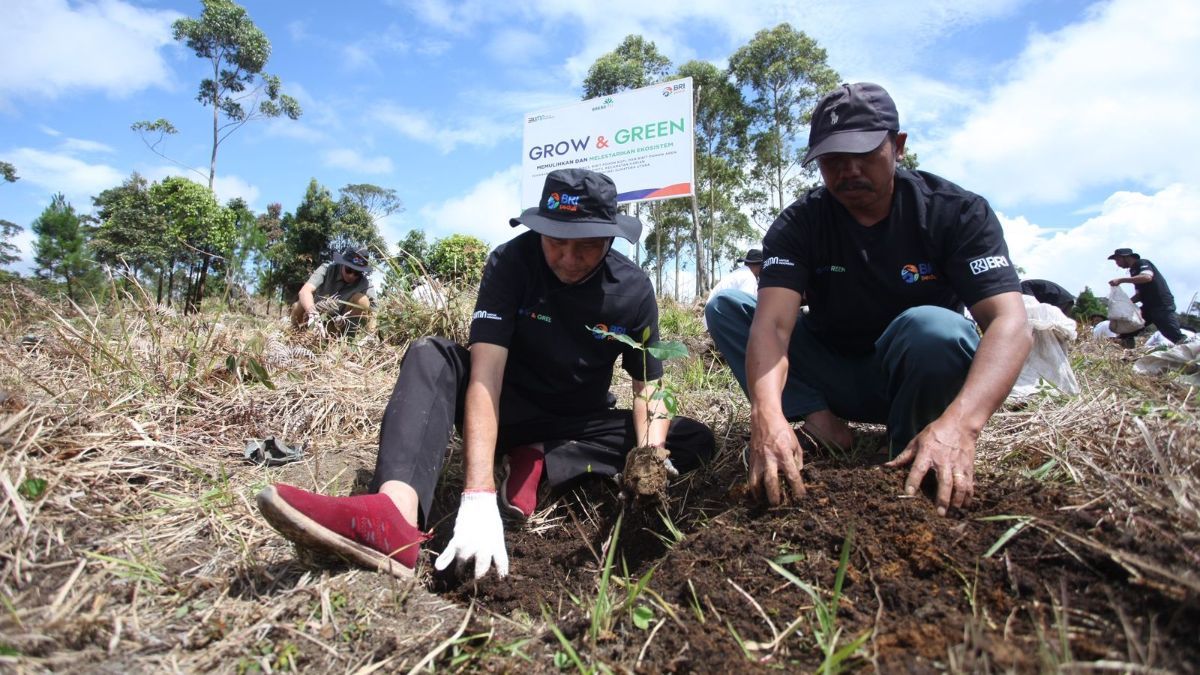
(852, 118)
(578, 204)
(752, 257)
(354, 258)
(1123, 251)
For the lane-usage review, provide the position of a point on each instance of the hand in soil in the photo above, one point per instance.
(948, 451)
(774, 448)
(646, 473)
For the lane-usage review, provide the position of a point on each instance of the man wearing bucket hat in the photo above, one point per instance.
(337, 295)
(885, 258)
(532, 388)
(1158, 305)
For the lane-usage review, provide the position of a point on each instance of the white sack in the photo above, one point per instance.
(1052, 332)
(1184, 358)
(1123, 316)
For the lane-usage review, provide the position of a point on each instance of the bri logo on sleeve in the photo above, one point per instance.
(981, 265)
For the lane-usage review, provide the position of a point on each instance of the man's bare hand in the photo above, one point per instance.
(947, 450)
(774, 448)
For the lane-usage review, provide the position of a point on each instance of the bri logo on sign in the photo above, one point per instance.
(911, 274)
(981, 265)
(562, 202)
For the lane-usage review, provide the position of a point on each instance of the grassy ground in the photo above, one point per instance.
(129, 540)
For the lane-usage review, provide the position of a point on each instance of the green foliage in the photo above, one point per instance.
(1088, 305)
(786, 73)
(8, 172)
(635, 63)
(679, 320)
(32, 488)
(458, 258)
(377, 201)
(9, 253)
(319, 227)
(237, 51)
(131, 229)
(60, 250)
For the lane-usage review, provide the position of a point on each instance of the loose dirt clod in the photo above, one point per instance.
(645, 472)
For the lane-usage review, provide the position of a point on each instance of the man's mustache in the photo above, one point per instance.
(854, 185)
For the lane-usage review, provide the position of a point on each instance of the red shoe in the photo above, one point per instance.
(365, 529)
(521, 472)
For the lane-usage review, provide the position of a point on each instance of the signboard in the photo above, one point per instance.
(642, 139)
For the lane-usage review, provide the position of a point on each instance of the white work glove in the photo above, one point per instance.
(315, 324)
(478, 534)
(671, 470)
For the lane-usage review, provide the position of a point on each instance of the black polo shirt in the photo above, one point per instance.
(1048, 292)
(940, 245)
(1154, 294)
(555, 361)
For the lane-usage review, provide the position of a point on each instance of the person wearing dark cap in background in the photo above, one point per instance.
(337, 295)
(1049, 293)
(532, 388)
(885, 258)
(742, 280)
(1151, 290)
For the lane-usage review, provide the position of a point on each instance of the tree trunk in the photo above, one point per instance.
(170, 280)
(658, 257)
(675, 239)
(637, 245)
(698, 249)
(198, 297)
(212, 164)
(158, 291)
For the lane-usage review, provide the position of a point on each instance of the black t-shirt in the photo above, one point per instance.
(940, 245)
(555, 362)
(1155, 294)
(1048, 292)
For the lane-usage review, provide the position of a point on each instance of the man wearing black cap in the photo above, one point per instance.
(1158, 305)
(532, 387)
(340, 291)
(885, 258)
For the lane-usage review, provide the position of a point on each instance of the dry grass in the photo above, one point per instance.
(129, 539)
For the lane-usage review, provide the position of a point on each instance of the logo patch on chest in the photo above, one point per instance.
(912, 273)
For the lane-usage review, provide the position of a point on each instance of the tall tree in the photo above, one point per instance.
(8, 172)
(237, 51)
(720, 128)
(60, 247)
(131, 232)
(200, 228)
(9, 253)
(786, 72)
(377, 201)
(635, 63)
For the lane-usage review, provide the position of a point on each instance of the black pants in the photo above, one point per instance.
(427, 404)
(1165, 320)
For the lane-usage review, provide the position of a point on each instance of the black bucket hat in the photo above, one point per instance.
(354, 258)
(578, 204)
(853, 118)
(752, 257)
(1123, 251)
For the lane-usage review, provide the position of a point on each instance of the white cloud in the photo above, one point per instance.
(1108, 101)
(58, 172)
(1163, 226)
(79, 145)
(49, 131)
(344, 158)
(417, 126)
(481, 210)
(50, 47)
(229, 186)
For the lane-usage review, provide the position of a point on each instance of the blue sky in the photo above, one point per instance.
(1079, 121)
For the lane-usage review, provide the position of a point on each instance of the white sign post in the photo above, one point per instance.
(642, 139)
